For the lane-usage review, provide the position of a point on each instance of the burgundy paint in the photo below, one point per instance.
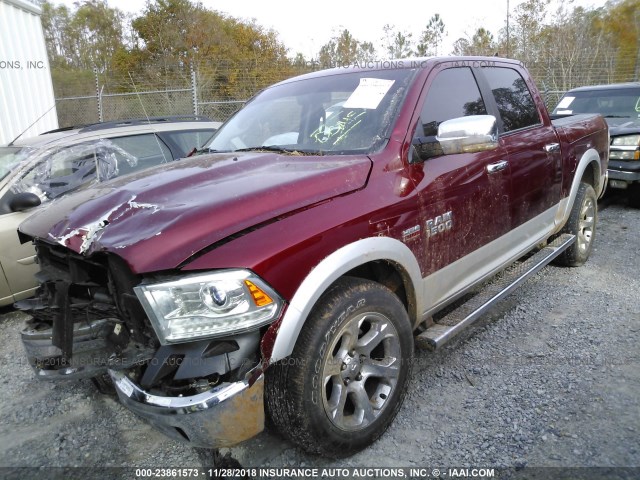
(336, 201)
(199, 202)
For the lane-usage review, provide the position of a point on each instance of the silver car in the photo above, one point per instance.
(37, 170)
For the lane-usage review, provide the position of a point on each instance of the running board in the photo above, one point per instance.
(453, 323)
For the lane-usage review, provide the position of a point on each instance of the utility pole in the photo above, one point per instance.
(98, 94)
(194, 90)
(508, 49)
(637, 69)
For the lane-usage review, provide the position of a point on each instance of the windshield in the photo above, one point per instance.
(614, 103)
(338, 114)
(10, 157)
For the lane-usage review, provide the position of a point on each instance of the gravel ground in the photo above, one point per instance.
(550, 379)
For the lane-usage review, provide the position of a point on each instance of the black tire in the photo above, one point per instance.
(216, 465)
(104, 385)
(634, 195)
(348, 374)
(582, 223)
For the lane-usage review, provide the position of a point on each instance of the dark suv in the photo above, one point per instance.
(619, 104)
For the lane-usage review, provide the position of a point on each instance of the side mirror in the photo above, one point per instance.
(475, 133)
(424, 148)
(24, 201)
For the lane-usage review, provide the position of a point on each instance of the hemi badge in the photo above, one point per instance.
(411, 233)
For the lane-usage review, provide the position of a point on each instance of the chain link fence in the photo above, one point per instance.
(77, 111)
(552, 98)
(142, 104)
(101, 108)
(216, 90)
(220, 111)
(219, 90)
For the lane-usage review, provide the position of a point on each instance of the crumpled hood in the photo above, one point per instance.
(157, 219)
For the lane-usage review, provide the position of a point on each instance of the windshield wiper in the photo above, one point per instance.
(267, 148)
(205, 150)
(616, 116)
(276, 148)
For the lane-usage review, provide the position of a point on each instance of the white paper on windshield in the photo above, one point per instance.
(565, 102)
(564, 112)
(369, 93)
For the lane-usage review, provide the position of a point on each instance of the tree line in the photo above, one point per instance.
(159, 48)
(565, 48)
(170, 39)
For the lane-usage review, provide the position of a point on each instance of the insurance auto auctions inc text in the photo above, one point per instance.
(355, 472)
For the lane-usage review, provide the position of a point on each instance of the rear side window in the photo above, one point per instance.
(144, 147)
(515, 103)
(147, 148)
(453, 93)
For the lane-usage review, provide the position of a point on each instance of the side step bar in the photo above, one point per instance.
(453, 323)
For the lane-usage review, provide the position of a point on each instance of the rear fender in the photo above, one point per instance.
(590, 159)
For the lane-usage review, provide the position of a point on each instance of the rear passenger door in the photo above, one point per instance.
(533, 149)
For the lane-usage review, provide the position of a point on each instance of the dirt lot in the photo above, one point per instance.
(551, 379)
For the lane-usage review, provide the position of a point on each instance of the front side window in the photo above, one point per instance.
(60, 170)
(339, 114)
(453, 93)
(514, 100)
(11, 157)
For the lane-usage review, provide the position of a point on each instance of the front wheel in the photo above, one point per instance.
(348, 373)
(582, 223)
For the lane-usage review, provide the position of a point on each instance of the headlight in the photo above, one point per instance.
(624, 154)
(208, 305)
(626, 141)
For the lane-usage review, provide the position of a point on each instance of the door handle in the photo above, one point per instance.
(552, 147)
(496, 167)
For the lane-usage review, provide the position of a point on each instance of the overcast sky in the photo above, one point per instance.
(306, 26)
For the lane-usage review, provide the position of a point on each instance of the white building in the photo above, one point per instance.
(26, 91)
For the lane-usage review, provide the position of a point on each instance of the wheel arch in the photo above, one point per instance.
(381, 259)
(588, 170)
(591, 175)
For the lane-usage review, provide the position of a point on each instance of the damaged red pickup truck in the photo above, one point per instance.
(288, 272)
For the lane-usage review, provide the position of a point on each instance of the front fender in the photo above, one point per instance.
(328, 271)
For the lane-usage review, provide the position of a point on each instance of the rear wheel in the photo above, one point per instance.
(582, 223)
(349, 371)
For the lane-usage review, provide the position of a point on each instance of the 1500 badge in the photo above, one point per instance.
(440, 224)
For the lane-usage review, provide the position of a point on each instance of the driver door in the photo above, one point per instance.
(464, 197)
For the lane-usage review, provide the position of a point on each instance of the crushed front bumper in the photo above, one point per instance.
(222, 417)
(93, 354)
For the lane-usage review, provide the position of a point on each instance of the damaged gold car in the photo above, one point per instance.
(34, 171)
